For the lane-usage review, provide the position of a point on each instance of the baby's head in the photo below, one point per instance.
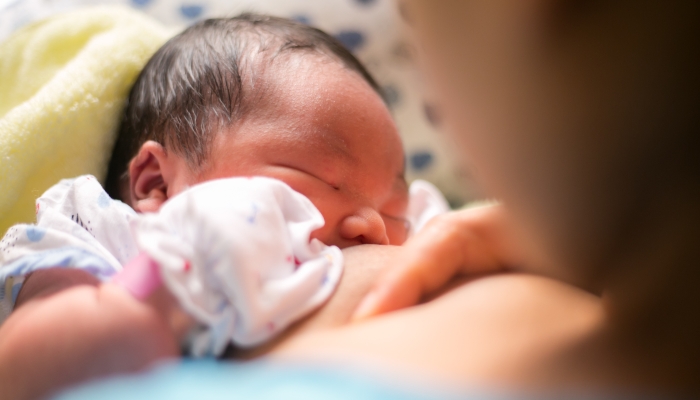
(265, 96)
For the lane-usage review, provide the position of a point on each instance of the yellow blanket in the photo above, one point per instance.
(63, 83)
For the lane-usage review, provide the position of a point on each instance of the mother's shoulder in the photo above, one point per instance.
(524, 302)
(518, 291)
(491, 329)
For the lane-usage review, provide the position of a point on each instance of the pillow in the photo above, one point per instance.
(372, 29)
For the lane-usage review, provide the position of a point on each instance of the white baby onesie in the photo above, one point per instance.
(235, 252)
(78, 226)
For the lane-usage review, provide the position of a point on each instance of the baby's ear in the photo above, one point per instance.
(148, 173)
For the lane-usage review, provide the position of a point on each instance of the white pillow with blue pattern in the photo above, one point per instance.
(372, 29)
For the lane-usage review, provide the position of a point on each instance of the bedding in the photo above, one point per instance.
(60, 123)
(64, 81)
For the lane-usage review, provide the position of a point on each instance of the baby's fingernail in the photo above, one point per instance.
(366, 307)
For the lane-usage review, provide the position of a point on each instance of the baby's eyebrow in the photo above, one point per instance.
(326, 143)
(338, 146)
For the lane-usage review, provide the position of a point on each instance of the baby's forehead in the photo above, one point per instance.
(298, 73)
(306, 86)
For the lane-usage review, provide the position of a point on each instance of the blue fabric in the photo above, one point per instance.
(67, 257)
(61, 257)
(205, 379)
(259, 380)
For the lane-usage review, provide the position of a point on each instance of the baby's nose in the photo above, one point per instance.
(366, 226)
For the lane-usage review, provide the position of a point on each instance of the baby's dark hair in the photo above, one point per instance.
(200, 81)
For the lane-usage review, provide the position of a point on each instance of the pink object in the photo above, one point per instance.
(140, 276)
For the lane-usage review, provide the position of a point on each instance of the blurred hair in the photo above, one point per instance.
(203, 79)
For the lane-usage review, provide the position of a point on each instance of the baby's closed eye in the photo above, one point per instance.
(312, 174)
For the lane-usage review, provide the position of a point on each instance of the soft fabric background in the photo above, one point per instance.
(63, 83)
(372, 29)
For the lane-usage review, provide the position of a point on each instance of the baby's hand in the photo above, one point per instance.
(470, 241)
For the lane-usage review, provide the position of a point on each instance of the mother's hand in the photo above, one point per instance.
(470, 241)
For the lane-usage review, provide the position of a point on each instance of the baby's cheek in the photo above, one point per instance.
(326, 233)
(330, 211)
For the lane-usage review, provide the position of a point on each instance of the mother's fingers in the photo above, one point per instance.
(393, 292)
(466, 241)
(425, 264)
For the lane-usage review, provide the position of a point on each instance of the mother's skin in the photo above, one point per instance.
(581, 116)
(466, 335)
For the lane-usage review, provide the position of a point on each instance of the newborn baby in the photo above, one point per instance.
(241, 97)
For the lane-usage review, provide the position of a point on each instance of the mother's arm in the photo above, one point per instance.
(492, 329)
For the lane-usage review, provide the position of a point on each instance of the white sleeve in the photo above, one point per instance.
(237, 255)
(74, 213)
(78, 226)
